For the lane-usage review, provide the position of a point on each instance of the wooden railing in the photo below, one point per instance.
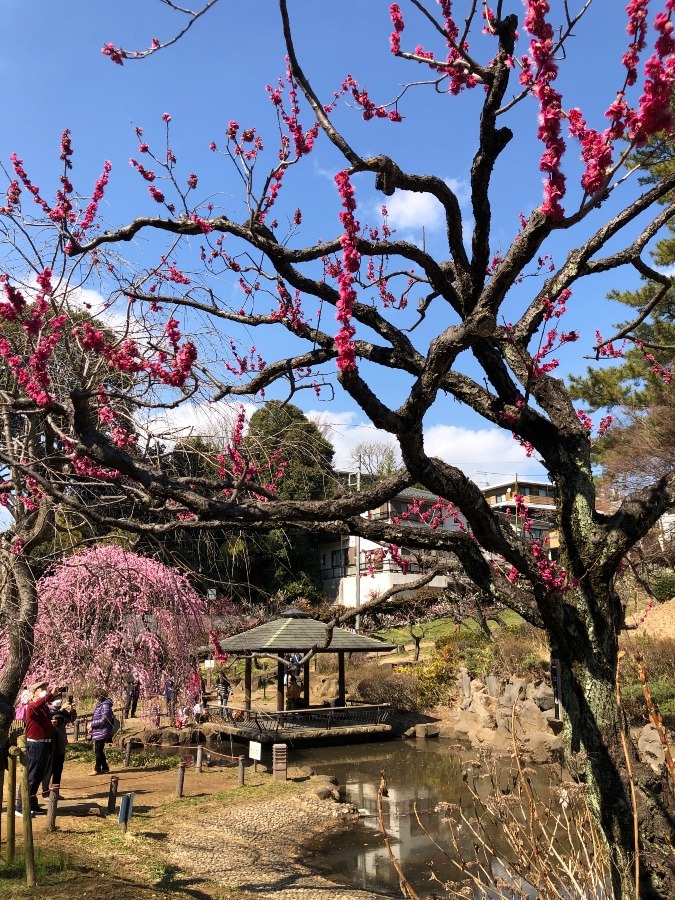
(270, 722)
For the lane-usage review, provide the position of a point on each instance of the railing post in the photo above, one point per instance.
(180, 779)
(127, 753)
(199, 761)
(112, 794)
(242, 769)
(51, 809)
(11, 802)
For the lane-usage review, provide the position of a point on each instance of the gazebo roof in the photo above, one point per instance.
(296, 631)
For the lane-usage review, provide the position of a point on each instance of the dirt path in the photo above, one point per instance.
(218, 842)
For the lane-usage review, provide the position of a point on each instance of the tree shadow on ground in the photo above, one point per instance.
(173, 880)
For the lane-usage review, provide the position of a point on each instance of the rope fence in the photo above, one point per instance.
(17, 774)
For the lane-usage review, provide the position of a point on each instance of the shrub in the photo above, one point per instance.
(663, 585)
(437, 678)
(378, 685)
(515, 650)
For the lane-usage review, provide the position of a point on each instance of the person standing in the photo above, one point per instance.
(39, 733)
(62, 714)
(101, 731)
(293, 693)
(132, 691)
(170, 697)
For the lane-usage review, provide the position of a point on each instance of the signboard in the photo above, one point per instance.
(255, 750)
(209, 663)
(211, 594)
(126, 807)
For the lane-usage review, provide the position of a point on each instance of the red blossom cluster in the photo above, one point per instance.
(126, 356)
(455, 65)
(653, 113)
(351, 261)
(234, 464)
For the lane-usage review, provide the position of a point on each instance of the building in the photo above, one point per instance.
(538, 497)
(377, 572)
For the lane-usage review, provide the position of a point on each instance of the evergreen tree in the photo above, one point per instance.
(281, 433)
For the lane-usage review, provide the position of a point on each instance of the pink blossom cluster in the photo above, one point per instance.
(399, 25)
(665, 373)
(233, 463)
(455, 65)
(85, 467)
(126, 356)
(609, 350)
(370, 109)
(99, 191)
(540, 82)
(653, 114)
(254, 362)
(31, 370)
(122, 612)
(351, 260)
(116, 54)
(433, 515)
(218, 651)
(290, 309)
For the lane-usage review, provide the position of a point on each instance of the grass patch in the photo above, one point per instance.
(140, 759)
(46, 865)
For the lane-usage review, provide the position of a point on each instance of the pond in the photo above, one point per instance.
(421, 774)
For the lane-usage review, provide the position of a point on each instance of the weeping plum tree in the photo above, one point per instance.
(469, 323)
(105, 612)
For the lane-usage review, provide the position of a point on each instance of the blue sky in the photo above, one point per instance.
(55, 77)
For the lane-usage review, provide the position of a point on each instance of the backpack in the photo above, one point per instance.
(114, 727)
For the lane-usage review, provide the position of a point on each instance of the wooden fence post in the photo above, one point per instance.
(28, 849)
(51, 809)
(127, 753)
(112, 794)
(11, 803)
(180, 779)
(242, 763)
(200, 755)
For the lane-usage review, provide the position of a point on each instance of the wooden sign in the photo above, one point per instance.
(255, 750)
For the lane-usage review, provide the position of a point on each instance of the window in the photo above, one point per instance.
(339, 558)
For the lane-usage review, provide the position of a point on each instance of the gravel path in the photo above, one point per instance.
(255, 848)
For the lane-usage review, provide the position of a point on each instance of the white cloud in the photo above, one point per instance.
(486, 455)
(214, 421)
(412, 211)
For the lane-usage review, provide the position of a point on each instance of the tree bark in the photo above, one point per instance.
(621, 790)
(19, 608)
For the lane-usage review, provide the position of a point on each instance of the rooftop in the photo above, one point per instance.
(295, 631)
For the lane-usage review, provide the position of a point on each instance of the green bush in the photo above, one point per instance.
(663, 585)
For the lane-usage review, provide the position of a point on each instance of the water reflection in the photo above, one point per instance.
(418, 775)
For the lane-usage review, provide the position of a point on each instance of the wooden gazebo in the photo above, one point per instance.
(294, 632)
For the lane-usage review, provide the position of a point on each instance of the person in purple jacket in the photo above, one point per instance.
(101, 729)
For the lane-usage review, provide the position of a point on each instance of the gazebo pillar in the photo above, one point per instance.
(341, 678)
(281, 671)
(248, 665)
(305, 682)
